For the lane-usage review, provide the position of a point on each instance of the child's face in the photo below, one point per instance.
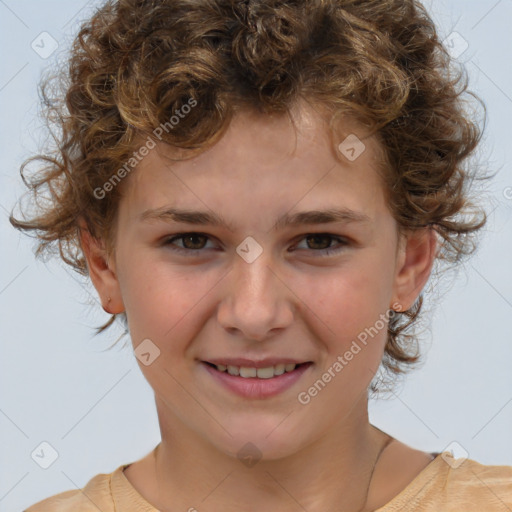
(292, 302)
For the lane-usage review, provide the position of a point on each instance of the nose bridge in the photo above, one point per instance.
(253, 281)
(256, 301)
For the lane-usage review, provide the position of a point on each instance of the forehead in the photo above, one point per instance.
(264, 165)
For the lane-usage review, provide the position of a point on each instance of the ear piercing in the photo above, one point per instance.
(105, 309)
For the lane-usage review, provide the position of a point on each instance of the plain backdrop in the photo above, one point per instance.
(59, 384)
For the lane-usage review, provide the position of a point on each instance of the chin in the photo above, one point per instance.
(257, 441)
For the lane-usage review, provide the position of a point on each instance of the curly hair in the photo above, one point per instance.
(134, 62)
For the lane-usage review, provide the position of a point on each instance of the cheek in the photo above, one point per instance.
(349, 293)
(160, 299)
(349, 303)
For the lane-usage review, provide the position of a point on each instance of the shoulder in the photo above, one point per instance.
(453, 485)
(96, 495)
(478, 483)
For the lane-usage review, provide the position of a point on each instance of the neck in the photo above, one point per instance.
(332, 473)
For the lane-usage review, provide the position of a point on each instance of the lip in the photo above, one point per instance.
(250, 363)
(253, 387)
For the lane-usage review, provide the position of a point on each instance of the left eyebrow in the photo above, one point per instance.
(344, 215)
(328, 216)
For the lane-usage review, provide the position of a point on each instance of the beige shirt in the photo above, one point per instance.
(443, 486)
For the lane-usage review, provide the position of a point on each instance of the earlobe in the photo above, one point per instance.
(101, 272)
(414, 264)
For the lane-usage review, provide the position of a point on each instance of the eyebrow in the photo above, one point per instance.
(327, 216)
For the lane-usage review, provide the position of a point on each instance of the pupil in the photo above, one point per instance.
(193, 237)
(321, 237)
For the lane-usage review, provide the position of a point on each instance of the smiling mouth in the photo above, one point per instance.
(259, 373)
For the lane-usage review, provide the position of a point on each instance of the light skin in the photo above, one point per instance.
(289, 302)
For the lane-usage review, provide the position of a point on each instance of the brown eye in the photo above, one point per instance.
(321, 243)
(319, 240)
(192, 243)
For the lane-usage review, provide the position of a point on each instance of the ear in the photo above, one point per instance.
(101, 271)
(415, 259)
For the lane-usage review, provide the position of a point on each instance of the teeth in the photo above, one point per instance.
(247, 372)
(261, 373)
(279, 369)
(265, 373)
(233, 370)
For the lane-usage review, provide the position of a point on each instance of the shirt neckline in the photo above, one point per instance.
(126, 497)
(419, 482)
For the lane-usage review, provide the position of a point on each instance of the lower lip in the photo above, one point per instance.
(253, 387)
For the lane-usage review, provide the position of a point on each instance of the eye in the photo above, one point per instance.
(322, 239)
(193, 242)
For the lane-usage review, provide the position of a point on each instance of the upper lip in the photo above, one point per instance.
(250, 363)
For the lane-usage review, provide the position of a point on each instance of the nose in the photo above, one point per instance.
(257, 302)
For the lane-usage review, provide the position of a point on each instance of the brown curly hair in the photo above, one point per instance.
(379, 61)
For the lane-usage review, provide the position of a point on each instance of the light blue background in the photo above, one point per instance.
(96, 409)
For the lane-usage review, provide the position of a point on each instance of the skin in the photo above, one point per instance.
(290, 302)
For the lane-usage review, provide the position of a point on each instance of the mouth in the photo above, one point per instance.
(256, 380)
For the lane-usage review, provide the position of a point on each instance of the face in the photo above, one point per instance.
(255, 292)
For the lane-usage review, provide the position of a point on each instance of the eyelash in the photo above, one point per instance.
(326, 252)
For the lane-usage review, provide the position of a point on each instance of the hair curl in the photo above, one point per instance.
(380, 61)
